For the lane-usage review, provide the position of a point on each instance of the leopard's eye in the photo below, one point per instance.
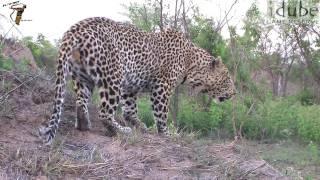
(212, 64)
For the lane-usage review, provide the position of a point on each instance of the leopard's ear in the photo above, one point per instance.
(218, 59)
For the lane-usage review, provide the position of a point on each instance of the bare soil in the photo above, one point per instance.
(92, 155)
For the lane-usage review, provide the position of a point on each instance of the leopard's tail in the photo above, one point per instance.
(48, 131)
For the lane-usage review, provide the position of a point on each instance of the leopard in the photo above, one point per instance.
(120, 61)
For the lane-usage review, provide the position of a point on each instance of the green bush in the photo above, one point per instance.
(6, 63)
(236, 112)
(306, 97)
(145, 111)
(283, 118)
(192, 117)
(309, 122)
(272, 119)
(44, 52)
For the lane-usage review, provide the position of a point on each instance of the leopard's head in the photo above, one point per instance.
(207, 74)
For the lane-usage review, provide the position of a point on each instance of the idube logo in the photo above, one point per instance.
(293, 11)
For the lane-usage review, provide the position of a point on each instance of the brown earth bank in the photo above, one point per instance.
(11, 48)
(25, 102)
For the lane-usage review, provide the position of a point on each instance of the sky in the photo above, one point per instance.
(53, 17)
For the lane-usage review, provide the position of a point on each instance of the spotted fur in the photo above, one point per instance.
(121, 60)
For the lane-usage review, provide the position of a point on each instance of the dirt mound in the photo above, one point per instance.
(93, 155)
(18, 52)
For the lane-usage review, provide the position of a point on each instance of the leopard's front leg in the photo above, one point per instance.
(109, 101)
(160, 95)
(130, 110)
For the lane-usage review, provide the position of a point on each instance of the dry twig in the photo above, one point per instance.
(17, 87)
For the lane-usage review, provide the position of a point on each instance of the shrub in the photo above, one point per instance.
(145, 111)
(272, 119)
(236, 113)
(306, 97)
(192, 117)
(6, 63)
(309, 122)
(44, 52)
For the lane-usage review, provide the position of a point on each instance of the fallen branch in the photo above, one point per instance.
(23, 83)
(250, 171)
(187, 168)
(16, 77)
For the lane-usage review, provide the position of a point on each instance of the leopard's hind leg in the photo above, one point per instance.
(84, 90)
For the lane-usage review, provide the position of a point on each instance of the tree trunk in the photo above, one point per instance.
(175, 109)
(306, 54)
(279, 84)
(161, 15)
(176, 14)
(184, 20)
(175, 104)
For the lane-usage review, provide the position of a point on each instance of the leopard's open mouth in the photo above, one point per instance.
(222, 98)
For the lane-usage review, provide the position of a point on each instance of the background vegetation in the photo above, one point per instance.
(276, 68)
